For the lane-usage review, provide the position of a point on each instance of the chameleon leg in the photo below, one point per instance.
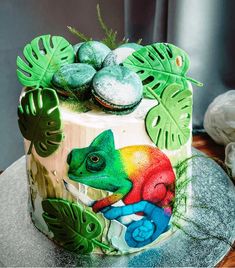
(116, 212)
(145, 231)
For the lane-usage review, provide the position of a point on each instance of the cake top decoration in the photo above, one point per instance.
(110, 75)
(43, 57)
(117, 88)
(93, 53)
(74, 80)
(160, 65)
(51, 62)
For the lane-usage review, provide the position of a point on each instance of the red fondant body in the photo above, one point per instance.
(154, 181)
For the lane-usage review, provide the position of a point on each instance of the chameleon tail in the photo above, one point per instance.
(145, 231)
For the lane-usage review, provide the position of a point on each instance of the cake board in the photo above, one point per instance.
(204, 240)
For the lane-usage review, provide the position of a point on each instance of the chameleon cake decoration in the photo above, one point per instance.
(141, 176)
(101, 178)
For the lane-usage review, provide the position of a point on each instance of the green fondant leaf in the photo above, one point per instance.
(160, 65)
(43, 57)
(75, 228)
(39, 120)
(167, 123)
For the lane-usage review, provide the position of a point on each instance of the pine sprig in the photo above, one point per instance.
(101, 21)
(110, 36)
(80, 35)
(123, 41)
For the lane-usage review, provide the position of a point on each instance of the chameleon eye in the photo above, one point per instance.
(94, 158)
(95, 162)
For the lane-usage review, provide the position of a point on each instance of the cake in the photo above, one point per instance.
(107, 135)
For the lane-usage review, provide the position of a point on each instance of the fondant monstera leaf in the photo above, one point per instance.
(73, 227)
(167, 123)
(160, 65)
(43, 57)
(39, 120)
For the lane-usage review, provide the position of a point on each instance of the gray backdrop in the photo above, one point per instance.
(20, 22)
(204, 28)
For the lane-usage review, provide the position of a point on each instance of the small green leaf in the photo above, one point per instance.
(43, 57)
(167, 123)
(160, 65)
(40, 120)
(75, 228)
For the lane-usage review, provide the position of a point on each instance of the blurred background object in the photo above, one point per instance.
(219, 120)
(230, 158)
(203, 28)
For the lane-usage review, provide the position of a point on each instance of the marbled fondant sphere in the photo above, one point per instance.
(76, 48)
(116, 88)
(93, 53)
(132, 45)
(74, 78)
(117, 56)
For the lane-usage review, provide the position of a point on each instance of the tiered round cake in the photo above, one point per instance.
(107, 137)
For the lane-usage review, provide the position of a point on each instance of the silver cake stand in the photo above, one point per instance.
(204, 241)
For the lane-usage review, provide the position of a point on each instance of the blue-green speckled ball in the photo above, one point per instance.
(117, 88)
(93, 53)
(75, 78)
(117, 56)
(76, 48)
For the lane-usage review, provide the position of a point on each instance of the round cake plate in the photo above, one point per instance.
(204, 240)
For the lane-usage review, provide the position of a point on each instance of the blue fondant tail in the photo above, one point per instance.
(142, 232)
(145, 231)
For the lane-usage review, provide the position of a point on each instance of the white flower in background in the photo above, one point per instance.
(219, 121)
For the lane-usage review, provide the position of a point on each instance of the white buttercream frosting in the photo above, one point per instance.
(80, 129)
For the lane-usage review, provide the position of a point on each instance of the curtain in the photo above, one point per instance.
(205, 29)
(23, 20)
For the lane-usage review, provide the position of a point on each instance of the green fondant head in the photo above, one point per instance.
(98, 165)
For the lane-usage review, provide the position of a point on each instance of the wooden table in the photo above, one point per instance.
(205, 144)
